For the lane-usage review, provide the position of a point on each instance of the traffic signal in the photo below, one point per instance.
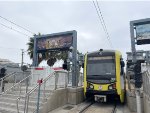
(138, 75)
(24, 68)
(51, 61)
(2, 72)
(66, 65)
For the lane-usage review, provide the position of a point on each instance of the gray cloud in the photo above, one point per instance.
(50, 17)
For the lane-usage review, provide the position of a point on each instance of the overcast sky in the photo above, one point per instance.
(49, 17)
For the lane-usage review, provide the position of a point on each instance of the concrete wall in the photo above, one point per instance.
(60, 97)
(146, 100)
(146, 90)
(131, 101)
(57, 99)
(19, 75)
(75, 95)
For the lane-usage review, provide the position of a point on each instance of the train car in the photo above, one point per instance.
(104, 75)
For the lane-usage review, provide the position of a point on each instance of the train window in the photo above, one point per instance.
(101, 69)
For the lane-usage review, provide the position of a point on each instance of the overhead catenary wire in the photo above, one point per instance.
(17, 25)
(14, 30)
(1, 47)
(100, 17)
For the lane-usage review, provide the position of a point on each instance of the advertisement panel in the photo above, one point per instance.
(59, 42)
(143, 34)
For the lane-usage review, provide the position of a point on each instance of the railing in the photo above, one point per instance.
(146, 83)
(13, 74)
(18, 85)
(80, 82)
(58, 79)
(80, 79)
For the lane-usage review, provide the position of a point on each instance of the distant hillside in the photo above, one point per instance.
(6, 62)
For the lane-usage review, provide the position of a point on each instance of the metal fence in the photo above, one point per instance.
(146, 83)
(57, 80)
(80, 79)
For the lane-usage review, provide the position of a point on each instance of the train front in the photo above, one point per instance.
(100, 75)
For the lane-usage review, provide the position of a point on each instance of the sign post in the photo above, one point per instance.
(63, 41)
(39, 90)
(140, 34)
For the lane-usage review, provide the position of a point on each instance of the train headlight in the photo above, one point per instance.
(91, 86)
(114, 86)
(110, 87)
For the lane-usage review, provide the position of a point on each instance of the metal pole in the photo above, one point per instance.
(129, 83)
(1, 85)
(44, 91)
(56, 80)
(25, 104)
(74, 62)
(15, 78)
(14, 82)
(138, 100)
(66, 79)
(20, 90)
(55, 84)
(38, 99)
(35, 57)
(22, 56)
(26, 83)
(137, 90)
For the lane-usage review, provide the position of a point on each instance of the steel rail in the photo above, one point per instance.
(86, 107)
(114, 109)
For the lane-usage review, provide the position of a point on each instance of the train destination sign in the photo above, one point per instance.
(143, 34)
(101, 58)
(57, 42)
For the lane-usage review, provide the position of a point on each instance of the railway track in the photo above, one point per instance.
(94, 107)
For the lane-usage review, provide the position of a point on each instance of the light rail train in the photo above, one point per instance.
(104, 75)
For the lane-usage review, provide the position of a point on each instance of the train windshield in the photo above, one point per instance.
(101, 67)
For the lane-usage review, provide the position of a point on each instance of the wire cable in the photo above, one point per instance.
(17, 25)
(100, 16)
(15, 30)
(1, 47)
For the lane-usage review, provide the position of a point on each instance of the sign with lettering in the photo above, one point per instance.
(101, 58)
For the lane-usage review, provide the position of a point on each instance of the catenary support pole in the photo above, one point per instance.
(22, 55)
(138, 100)
(38, 99)
(133, 49)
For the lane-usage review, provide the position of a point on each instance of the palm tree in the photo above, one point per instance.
(30, 47)
(51, 56)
